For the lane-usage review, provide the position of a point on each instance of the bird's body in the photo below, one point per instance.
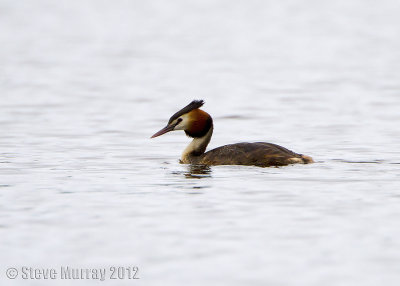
(260, 154)
(199, 125)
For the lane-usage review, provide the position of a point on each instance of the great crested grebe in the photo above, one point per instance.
(198, 125)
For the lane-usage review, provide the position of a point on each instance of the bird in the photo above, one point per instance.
(198, 124)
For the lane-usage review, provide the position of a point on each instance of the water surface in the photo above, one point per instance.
(84, 84)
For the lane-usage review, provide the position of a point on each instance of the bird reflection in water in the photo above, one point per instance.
(197, 171)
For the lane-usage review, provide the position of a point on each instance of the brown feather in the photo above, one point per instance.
(191, 106)
(258, 154)
(199, 124)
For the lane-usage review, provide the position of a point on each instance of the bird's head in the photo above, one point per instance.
(194, 121)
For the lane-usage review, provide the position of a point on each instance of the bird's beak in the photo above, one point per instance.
(166, 129)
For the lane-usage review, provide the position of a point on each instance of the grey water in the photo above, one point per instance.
(84, 84)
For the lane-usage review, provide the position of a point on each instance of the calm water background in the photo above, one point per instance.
(84, 84)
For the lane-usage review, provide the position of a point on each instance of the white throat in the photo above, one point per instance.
(196, 148)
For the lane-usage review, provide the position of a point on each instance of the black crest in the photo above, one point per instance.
(191, 106)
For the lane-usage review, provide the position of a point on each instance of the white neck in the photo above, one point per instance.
(196, 148)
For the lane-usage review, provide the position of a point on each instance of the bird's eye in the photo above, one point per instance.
(179, 120)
